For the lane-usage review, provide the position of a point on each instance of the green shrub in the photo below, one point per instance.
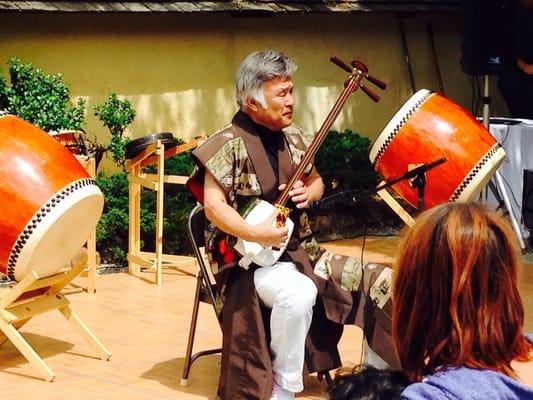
(4, 90)
(112, 229)
(350, 182)
(343, 163)
(40, 98)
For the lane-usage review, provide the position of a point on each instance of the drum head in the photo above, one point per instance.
(57, 231)
(137, 145)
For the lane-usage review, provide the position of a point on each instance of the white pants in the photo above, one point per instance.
(291, 295)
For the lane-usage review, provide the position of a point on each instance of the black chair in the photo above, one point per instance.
(205, 288)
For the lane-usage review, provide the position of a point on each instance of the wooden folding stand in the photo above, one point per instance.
(137, 259)
(33, 296)
(395, 206)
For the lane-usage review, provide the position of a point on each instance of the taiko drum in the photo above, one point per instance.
(49, 202)
(430, 126)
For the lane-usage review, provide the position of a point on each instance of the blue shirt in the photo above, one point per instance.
(467, 383)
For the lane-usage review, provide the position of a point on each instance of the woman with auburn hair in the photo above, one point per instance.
(457, 316)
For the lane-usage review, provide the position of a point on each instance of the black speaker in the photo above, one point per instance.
(488, 36)
(527, 199)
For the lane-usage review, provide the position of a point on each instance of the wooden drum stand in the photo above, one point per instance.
(153, 153)
(34, 295)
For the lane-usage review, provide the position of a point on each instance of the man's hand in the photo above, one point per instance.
(299, 194)
(303, 193)
(226, 218)
(268, 234)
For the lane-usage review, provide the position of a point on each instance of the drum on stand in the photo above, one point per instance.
(137, 145)
(428, 127)
(50, 204)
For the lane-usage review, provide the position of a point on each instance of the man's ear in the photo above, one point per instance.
(252, 104)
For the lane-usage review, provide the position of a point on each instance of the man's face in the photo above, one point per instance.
(279, 100)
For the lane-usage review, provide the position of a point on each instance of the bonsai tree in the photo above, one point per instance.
(116, 115)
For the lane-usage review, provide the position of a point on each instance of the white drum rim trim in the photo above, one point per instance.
(37, 227)
(397, 121)
(479, 175)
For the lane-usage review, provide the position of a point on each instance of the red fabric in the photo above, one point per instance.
(196, 188)
(228, 255)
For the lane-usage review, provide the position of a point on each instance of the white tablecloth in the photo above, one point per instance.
(517, 140)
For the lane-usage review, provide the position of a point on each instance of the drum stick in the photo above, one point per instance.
(435, 57)
(407, 57)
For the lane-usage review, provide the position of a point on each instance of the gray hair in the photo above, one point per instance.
(258, 67)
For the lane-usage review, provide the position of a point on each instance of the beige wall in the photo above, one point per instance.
(178, 69)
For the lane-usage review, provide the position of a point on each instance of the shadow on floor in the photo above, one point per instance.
(203, 376)
(45, 346)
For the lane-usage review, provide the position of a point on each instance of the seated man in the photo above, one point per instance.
(308, 292)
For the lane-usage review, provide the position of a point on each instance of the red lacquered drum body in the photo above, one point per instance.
(49, 202)
(426, 128)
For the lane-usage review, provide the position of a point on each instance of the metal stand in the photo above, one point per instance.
(496, 183)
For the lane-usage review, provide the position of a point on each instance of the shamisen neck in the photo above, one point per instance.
(351, 85)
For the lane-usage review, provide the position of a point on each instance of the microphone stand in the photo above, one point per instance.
(417, 174)
(419, 182)
(496, 185)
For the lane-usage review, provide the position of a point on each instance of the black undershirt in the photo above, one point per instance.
(271, 142)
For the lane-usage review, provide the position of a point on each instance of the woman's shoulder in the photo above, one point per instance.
(467, 383)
